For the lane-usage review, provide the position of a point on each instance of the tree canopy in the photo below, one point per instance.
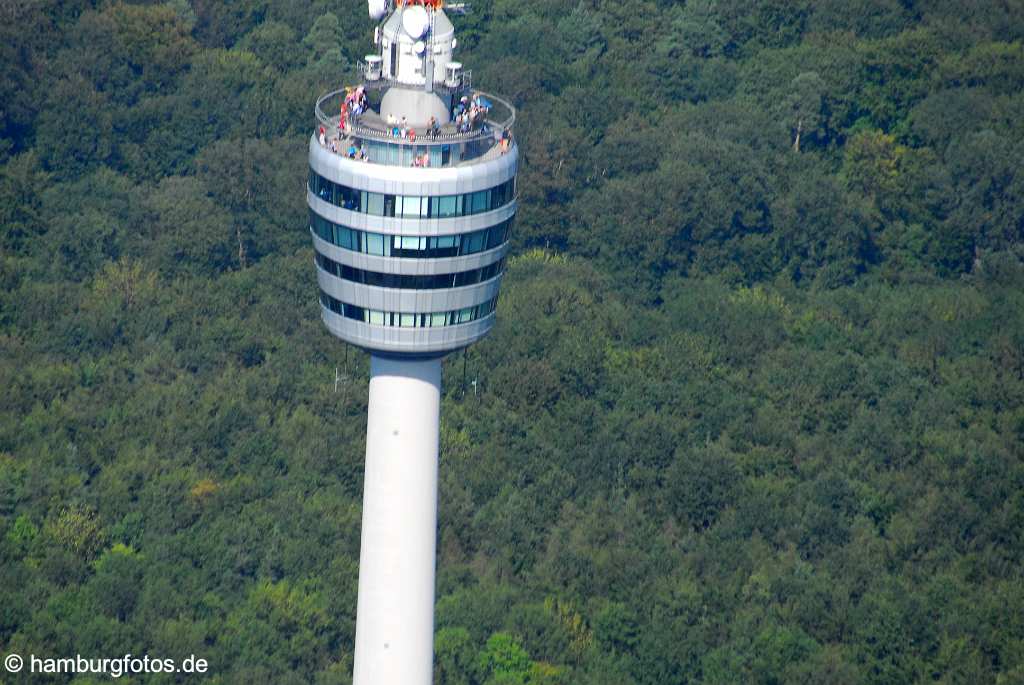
(753, 411)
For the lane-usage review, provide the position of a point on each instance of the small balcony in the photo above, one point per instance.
(458, 83)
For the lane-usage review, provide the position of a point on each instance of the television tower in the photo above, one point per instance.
(411, 197)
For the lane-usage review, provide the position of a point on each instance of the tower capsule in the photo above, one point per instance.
(412, 195)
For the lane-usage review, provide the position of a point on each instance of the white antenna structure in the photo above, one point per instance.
(378, 8)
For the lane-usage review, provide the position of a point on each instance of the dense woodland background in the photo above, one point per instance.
(752, 412)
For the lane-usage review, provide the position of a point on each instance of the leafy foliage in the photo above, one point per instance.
(753, 411)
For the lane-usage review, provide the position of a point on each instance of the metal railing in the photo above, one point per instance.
(501, 117)
(380, 82)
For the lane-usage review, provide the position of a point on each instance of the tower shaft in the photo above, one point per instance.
(395, 614)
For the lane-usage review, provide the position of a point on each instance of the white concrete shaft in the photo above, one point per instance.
(395, 612)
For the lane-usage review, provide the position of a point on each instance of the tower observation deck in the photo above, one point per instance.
(412, 196)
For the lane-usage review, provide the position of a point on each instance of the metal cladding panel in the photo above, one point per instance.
(413, 342)
(400, 265)
(412, 226)
(400, 180)
(439, 38)
(407, 301)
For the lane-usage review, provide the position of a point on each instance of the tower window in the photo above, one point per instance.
(417, 247)
(408, 320)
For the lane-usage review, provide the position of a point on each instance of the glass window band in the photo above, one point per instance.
(410, 281)
(413, 247)
(406, 206)
(408, 319)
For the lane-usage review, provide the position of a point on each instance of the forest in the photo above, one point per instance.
(753, 411)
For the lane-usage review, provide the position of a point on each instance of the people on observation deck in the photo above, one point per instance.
(353, 106)
(469, 115)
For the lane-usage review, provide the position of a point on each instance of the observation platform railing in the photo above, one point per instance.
(369, 127)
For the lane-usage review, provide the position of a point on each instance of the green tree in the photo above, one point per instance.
(454, 657)
(804, 107)
(504, 661)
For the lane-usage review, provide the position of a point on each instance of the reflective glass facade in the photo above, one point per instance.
(414, 247)
(408, 320)
(403, 154)
(439, 153)
(409, 281)
(411, 206)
